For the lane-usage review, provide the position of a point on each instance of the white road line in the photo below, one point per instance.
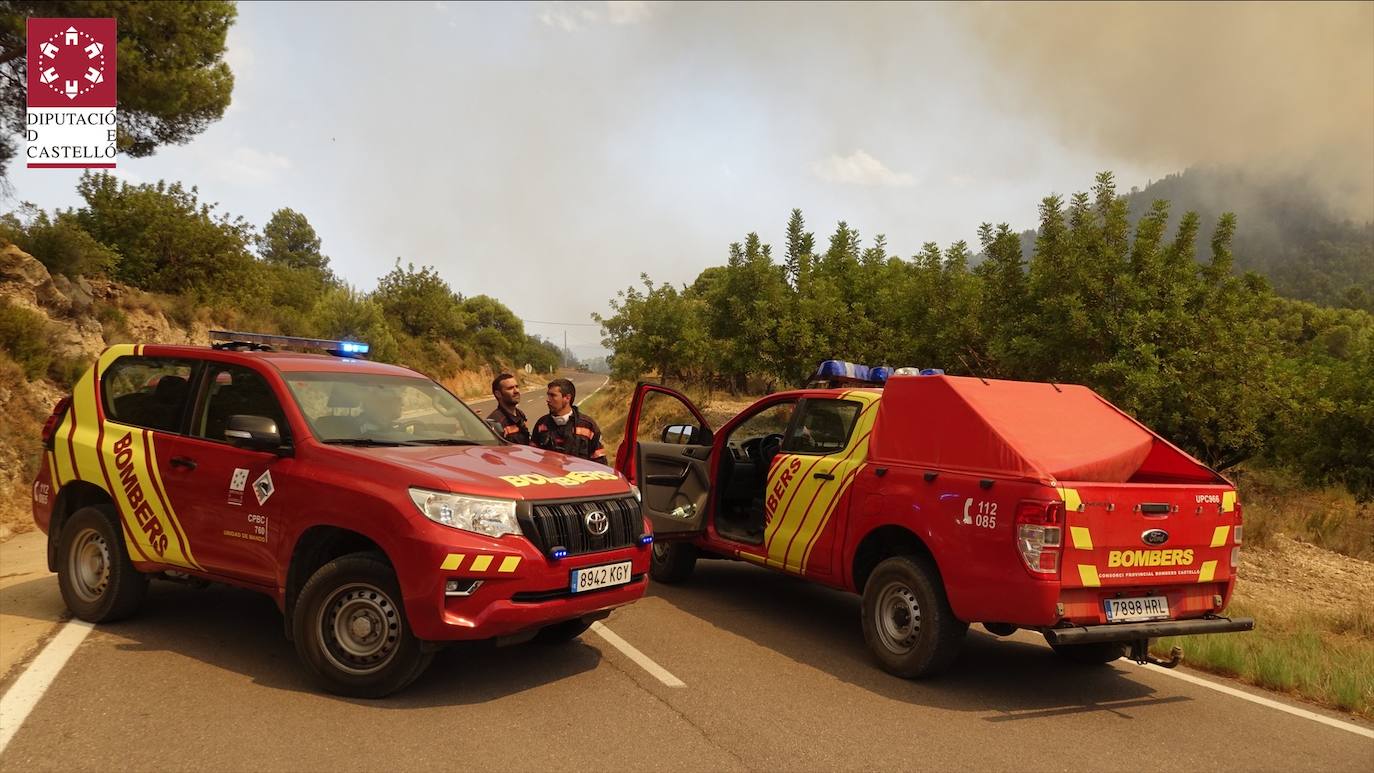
(594, 391)
(1295, 711)
(24, 694)
(658, 672)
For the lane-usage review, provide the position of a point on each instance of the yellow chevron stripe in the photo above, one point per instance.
(1082, 538)
(452, 561)
(509, 563)
(1228, 501)
(1209, 568)
(1071, 499)
(1088, 575)
(480, 563)
(1219, 536)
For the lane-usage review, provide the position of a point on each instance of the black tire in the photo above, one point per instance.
(1095, 654)
(562, 633)
(672, 562)
(356, 596)
(98, 581)
(907, 620)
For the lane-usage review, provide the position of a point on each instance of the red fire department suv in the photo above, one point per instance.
(945, 501)
(381, 514)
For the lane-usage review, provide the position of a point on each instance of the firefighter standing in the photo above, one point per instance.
(566, 429)
(506, 389)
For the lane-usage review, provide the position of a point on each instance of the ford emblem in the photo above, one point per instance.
(597, 523)
(1155, 537)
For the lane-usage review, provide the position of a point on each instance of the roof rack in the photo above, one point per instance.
(263, 342)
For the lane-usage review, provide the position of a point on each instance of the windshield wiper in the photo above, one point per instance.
(445, 441)
(365, 442)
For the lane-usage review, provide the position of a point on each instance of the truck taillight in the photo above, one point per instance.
(1040, 534)
(1240, 519)
(50, 426)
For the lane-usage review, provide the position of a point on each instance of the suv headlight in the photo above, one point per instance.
(492, 517)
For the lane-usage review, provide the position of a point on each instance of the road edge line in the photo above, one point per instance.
(659, 672)
(1261, 700)
(29, 688)
(594, 391)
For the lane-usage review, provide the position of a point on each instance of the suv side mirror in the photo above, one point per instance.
(496, 427)
(686, 435)
(255, 433)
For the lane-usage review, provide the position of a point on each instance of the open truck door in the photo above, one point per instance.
(671, 468)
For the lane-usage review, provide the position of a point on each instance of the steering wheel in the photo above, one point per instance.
(769, 446)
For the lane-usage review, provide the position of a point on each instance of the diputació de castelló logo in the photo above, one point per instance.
(71, 121)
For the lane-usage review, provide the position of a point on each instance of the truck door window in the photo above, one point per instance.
(824, 427)
(235, 390)
(149, 392)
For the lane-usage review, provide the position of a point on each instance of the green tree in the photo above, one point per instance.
(421, 302)
(289, 240)
(58, 242)
(168, 240)
(173, 81)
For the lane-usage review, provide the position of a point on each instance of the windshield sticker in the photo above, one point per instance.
(571, 479)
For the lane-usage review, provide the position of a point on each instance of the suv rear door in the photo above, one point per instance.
(673, 470)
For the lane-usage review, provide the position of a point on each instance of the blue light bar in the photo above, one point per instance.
(558, 553)
(646, 539)
(230, 339)
(879, 374)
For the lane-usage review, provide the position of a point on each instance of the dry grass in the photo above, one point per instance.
(1277, 502)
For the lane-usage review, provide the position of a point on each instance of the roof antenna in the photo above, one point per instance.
(1056, 387)
(970, 370)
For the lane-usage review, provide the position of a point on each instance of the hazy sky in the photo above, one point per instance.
(548, 153)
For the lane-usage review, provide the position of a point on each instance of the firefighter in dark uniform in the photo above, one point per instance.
(506, 390)
(566, 429)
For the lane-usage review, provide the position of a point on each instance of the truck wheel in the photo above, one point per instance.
(907, 620)
(1095, 654)
(351, 632)
(672, 562)
(98, 581)
(562, 633)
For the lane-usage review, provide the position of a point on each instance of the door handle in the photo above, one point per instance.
(823, 476)
(183, 461)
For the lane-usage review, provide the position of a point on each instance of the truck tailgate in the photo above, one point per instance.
(1128, 535)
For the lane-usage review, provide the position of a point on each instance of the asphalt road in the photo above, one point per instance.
(532, 400)
(775, 677)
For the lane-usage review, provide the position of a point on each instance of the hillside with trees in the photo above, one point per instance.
(202, 263)
(1213, 359)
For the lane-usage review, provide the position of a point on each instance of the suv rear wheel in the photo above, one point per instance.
(907, 620)
(351, 632)
(98, 581)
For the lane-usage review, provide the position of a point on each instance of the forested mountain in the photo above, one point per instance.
(1286, 230)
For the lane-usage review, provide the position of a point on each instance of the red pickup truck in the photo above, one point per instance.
(946, 501)
(383, 516)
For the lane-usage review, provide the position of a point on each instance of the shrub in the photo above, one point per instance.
(23, 335)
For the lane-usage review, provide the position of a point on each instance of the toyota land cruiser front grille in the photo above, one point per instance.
(575, 527)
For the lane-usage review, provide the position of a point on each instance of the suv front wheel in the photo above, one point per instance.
(351, 632)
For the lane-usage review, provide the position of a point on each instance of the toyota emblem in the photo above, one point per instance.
(597, 523)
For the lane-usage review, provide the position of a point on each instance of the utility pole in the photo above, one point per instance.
(565, 347)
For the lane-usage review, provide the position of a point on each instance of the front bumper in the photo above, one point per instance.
(520, 589)
(1125, 632)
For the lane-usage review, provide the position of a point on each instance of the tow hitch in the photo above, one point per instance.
(1140, 653)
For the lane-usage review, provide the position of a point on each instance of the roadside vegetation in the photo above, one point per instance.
(1214, 361)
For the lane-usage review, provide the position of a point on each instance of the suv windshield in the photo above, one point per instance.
(373, 409)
